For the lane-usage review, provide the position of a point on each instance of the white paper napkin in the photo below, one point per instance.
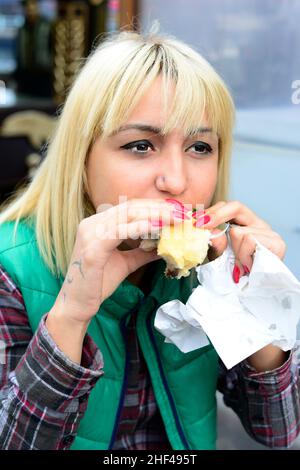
(239, 319)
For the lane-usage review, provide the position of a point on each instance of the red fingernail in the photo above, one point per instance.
(202, 221)
(179, 206)
(236, 273)
(197, 214)
(246, 269)
(180, 215)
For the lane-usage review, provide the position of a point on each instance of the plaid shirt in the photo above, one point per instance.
(43, 394)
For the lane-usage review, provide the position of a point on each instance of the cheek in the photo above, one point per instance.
(203, 183)
(100, 177)
(109, 179)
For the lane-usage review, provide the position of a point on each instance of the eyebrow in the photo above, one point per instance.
(156, 130)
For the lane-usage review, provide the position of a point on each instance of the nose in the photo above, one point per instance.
(171, 174)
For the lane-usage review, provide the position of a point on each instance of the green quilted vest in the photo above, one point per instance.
(184, 384)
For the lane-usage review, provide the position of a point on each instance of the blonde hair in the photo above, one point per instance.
(111, 82)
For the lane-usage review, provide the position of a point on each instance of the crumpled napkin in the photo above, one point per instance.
(239, 319)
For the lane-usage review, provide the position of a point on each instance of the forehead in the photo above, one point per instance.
(151, 113)
(164, 104)
(152, 103)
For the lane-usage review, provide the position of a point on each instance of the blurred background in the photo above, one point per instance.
(253, 44)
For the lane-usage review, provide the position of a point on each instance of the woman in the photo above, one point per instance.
(146, 130)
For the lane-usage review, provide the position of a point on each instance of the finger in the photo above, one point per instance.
(130, 209)
(235, 212)
(111, 235)
(244, 255)
(169, 204)
(218, 245)
(137, 257)
(216, 206)
(243, 251)
(139, 202)
(142, 209)
(237, 233)
(112, 228)
(116, 224)
(238, 271)
(248, 246)
(200, 210)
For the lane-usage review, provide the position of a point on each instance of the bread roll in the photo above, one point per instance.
(182, 246)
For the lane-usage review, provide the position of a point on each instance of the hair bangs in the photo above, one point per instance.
(132, 85)
(193, 98)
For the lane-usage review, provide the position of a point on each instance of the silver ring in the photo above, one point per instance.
(216, 235)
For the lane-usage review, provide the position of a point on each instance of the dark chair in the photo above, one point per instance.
(23, 135)
(14, 152)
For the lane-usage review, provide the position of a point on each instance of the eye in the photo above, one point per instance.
(138, 146)
(201, 148)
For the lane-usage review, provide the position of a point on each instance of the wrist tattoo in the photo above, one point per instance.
(79, 264)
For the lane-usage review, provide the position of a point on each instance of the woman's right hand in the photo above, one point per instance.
(97, 266)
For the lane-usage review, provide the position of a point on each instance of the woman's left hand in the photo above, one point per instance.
(248, 227)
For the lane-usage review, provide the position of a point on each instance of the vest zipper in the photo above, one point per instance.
(125, 378)
(163, 377)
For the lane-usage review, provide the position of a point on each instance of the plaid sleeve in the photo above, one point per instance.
(43, 394)
(267, 403)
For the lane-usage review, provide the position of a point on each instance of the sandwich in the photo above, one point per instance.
(182, 246)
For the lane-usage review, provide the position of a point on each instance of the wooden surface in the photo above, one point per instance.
(129, 14)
